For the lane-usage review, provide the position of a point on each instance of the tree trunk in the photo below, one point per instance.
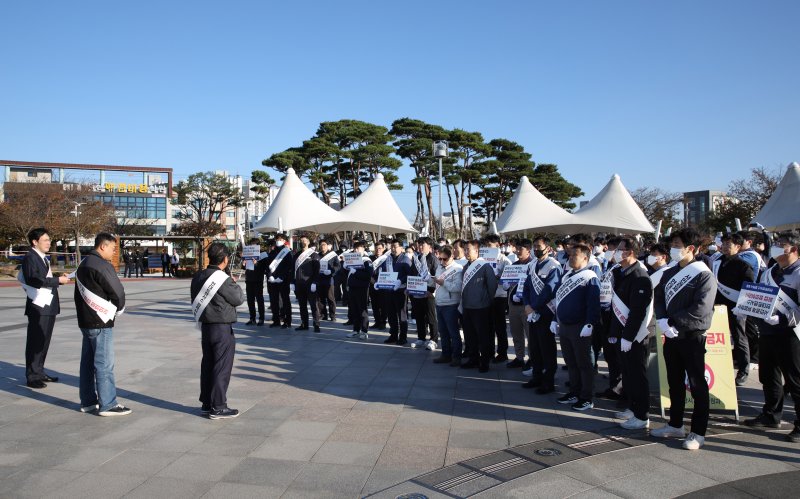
(471, 225)
(429, 195)
(452, 211)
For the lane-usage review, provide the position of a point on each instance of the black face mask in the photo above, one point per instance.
(538, 253)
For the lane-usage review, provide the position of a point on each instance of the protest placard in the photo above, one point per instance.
(757, 300)
(386, 280)
(417, 286)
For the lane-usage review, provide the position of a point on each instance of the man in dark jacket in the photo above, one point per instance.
(41, 306)
(328, 266)
(214, 300)
(424, 264)
(478, 290)
(254, 285)
(165, 268)
(306, 275)
(99, 299)
(395, 298)
(684, 306)
(127, 258)
(280, 268)
(137, 263)
(631, 311)
(358, 283)
(376, 296)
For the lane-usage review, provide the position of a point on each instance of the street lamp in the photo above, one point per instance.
(440, 151)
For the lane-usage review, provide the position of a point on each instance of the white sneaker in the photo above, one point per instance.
(363, 336)
(417, 344)
(693, 441)
(635, 423)
(668, 431)
(430, 345)
(118, 410)
(624, 415)
(528, 372)
(753, 367)
(354, 334)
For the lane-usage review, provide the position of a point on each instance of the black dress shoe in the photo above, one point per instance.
(324, 318)
(274, 325)
(516, 363)
(545, 389)
(285, 326)
(442, 360)
(499, 358)
(470, 364)
(390, 340)
(316, 328)
(251, 322)
(260, 323)
(348, 323)
(38, 384)
(608, 394)
(532, 383)
(50, 379)
(402, 342)
(301, 327)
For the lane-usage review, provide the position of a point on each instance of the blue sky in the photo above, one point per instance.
(685, 95)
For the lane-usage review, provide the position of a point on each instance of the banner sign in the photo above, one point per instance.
(719, 368)
(386, 280)
(353, 260)
(250, 255)
(512, 274)
(490, 255)
(417, 286)
(757, 300)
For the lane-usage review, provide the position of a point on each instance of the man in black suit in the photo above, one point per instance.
(41, 306)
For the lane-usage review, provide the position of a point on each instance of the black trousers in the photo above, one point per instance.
(305, 298)
(424, 311)
(779, 364)
(255, 294)
(577, 352)
(326, 302)
(137, 270)
(478, 335)
(357, 309)
(543, 349)
(128, 269)
(219, 346)
(498, 318)
(166, 270)
(279, 303)
(634, 378)
(686, 357)
(40, 330)
(395, 306)
(751, 330)
(378, 311)
(741, 344)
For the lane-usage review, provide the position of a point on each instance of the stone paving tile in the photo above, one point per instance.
(548, 484)
(138, 462)
(36, 482)
(411, 456)
(289, 448)
(458, 454)
(264, 472)
(328, 480)
(96, 484)
(382, 478)
(306, 430)
(364, 434)
(419, 435)
(669, 481)
(171, 440)
(352, 453)
(170, 487)
(225, 490)
(200, 467)
(371, 418)
(477, 439)
(225, 444)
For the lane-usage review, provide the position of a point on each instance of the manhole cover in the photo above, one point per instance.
(548, 452)
(415, 495)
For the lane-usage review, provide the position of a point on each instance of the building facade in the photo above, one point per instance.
(697, 205)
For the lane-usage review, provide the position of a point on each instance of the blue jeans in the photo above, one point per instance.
(97, 369)
(449, 335)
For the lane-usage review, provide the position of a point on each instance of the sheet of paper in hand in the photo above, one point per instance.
(513, 273)
(417, 286)
(353, 260)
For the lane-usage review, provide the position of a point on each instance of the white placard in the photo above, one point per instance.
(386, 280)
(757, 300)
(353, 260)
(250, 255)
(417, 286)
(513, 273)
(490, 255)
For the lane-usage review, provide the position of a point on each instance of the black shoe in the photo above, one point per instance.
(37, 384)
(741, 378)
(545, 389)
(379, 327)
(455, 362)
(608, 394)
(118, 410)
(274, 325)
(251, 322)
(285, 326)
(260, 323)
(402, 342)
(224, 413)
(442, 360)
(499, 358)
(302, 327)
(205, 410)
(390, 340)
(484, 368)
(794, 435)
(316, 328)
(583, 405)
(50, 379)
(324, 318)
(532, 383)
(569, 398)
(564, 368)
(761, 421)
(348, 323)
(516, 363)
(470, 364)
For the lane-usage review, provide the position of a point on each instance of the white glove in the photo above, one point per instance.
(375, 286)
(313, 288)
(119, 312)
(772, 321)
(670, 332)
(586, 331)
(534, 317)
(277, 280)
(326, 272)
(271, 280)
(612, 340)
(663, 324)
(625, 345)
(397, 284)
(351, 272)
(554, 328)
(291, 286)
(506, 286)
(530, 317)
(738, 313)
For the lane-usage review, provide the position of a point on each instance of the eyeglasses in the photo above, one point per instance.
(442, 259)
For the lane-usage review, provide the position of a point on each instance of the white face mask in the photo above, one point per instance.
(608, 255)
(776, 251)
(712, 248)
(651, 260)
(618, 256)
(598, 250)
(676, 254)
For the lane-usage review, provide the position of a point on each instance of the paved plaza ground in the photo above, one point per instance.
(326, 416)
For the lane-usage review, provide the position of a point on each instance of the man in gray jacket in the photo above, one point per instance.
(216, 318)
(684, 306)
(477, 294)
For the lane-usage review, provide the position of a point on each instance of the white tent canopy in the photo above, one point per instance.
(530, 210)
(782, 210)
(611, 210)
(296, 208)
(374, 210)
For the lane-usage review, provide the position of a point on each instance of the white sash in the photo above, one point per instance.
(422, 266)
(784, 304)
(729, 293)
(389, 265)
(41, 297)
(572, 282)
(448, 273)
(655, 277)
(207, 292)
(538, 283)
(379, 261)
(278, 259)
(681, 279)
(471, 271)
(621, 311)
(327, 257)
(102, 307)
(607, 285)
(303, 257)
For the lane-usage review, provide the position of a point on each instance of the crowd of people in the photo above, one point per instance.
(592, 296)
